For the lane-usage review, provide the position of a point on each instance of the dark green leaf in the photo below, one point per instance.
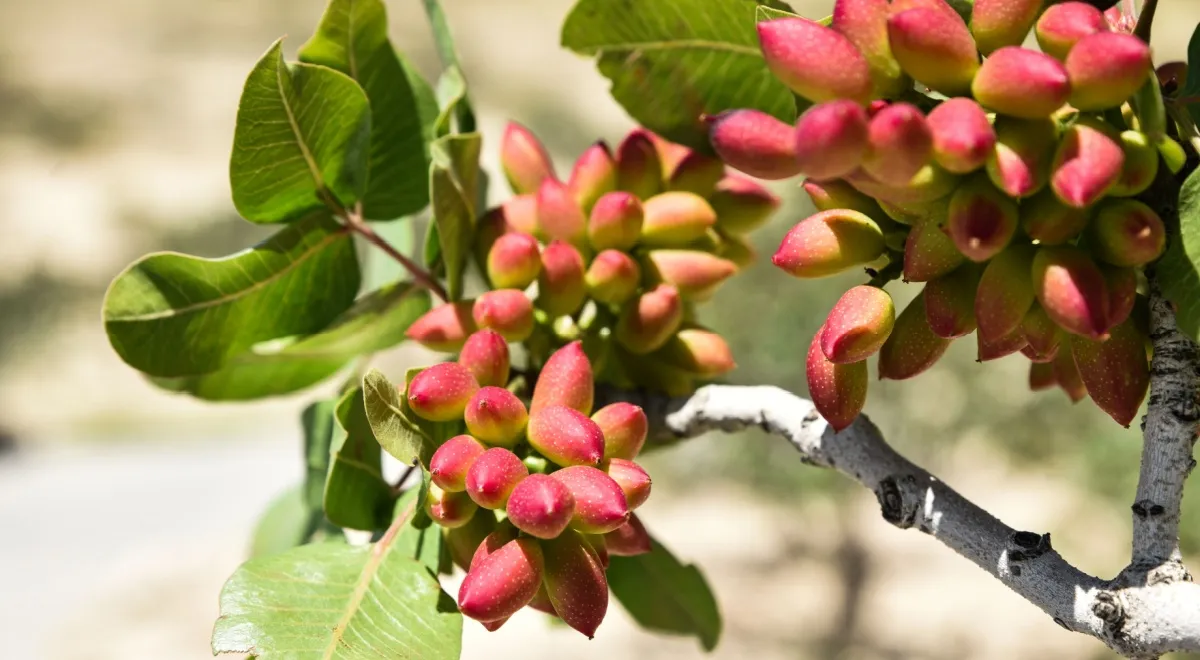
(356, 494)
(376, 322)
(338, 602)
(664, 595)
(301, 140)
(352, 38)
(395, 428)
(454, 189)
(1179, 269)
(672, 61)
(318, 423)
(287, 523)
(175, 315)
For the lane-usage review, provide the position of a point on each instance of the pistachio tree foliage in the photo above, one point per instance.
(1045, 198)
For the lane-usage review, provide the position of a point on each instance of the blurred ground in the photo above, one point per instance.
(124, 508)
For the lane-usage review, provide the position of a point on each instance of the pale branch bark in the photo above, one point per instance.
(1150, 609)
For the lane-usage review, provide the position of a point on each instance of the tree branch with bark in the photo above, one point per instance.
(1152, 607)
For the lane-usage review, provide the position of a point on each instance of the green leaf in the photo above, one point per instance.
(673, 61)
(663, 595)
(1179, 269)
(395, 428)
(173, 315)
(352, 38)
(338, 602)
(287, 523)
(454, 189)
(376, 322)
(356, 494)
(317, 420)
(301, 140)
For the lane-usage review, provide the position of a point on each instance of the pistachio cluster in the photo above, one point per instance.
(1006, 180)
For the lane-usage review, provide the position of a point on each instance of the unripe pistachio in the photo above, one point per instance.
(1115, 371)
(830, 139)
(829, 242)
(445, 327)
(1042, 334)
(929, 253)
(698, 351)
(950, 302)
(1005, 292)
(616, 221)
(1126, 232)
(755, 143)
(523, 159)
(1106, 68)
(1041, 376)
(1020, 163)
(441, 392)
(816, 62)
(496, 417)
(838, 391)
(612, 277)
(864, 23)
(741, 205)
(565, 380)
(912, 347)
(639, 168)
(600, 505)
(514, 261)
(649, 320)
(575, 582)
(696, 275)
(594, 175)
(502, 582)
(566, 436)
(463, 541)
(962, 136)
(899, 144)
(999, 23)
(1141, 165)
(982, 219)
(1045, 219)
(1088, 163)
(935, 48)
(559, 216)
(858, 324)
(632, 478)
(1072, 289)
(449, 509)
(1022, 83)
(485, 355)
(629, 540)
(675, 218)
(561, 286)
(624, 426)
(1064, 24)
(836, 194)
(493, 476)
(697, 173)
(992, 349)
(1066, 374)
(449, 464)
(507, 311)
(541, 506)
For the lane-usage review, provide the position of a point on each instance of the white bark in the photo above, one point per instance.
(1151, 608)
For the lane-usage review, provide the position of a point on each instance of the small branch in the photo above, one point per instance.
(354, 221)
(1137, 621)
(1145, 21)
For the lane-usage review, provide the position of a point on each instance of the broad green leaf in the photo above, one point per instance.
(376, 322)
(174, 315)
(301, 140)
(317, 420)
(454, 189)
(338, 602)
(287, 523)
(673, 61)
(394, 429)
(356, 494)
(1179, 269)
(352, 38)
(664, 595)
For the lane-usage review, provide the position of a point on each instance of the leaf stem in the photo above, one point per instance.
(355, 222)
(1142, 29)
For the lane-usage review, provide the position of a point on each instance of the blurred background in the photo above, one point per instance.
(123, 508)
